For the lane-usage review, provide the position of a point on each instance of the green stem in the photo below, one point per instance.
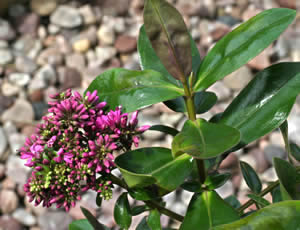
(190, 105)
(261, 194)
(150, 203)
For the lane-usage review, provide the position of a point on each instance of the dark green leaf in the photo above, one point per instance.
(147, 166)
(204, 101)
(154, 220)
(276, 195)
(169, 37)
(259, 200)
(165, 129)
(242, 44)
(288, 177)
(208, 209)
(149, 59)
(251, 177)
(217, 180)
(82, 224)
(280, 216)
(285, 134)
(122, 213)
(198, 139)
(147, 193)
(192, 186)
(93, 221)
(295, 151)
(143, 225)
(133, 89)
(137, 210)
(98, 200)
(233, 201)
(265, 102)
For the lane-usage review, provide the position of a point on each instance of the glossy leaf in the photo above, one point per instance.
(288, 177)
(251, 177)
(215, 181)
(137, 210)
(149, 59)
(192, 186)
(259, 200)
(92, 220)
(82, 224)
(169, 37)
(242, 44)
(208, 209)
(165, 129)
(154, 220)
(280, 216)
(122, 213)
(265, 102)
(147, 166)
(204, 101)
(133, 89)
(295, 151)
(198, 139)
(146, 193)
(233, 201)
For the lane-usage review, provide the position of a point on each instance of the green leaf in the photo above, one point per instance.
(147, 166)
(165, 129)
(259, 200)
(137, 210)
(242, 44)
(208, 209)
(216, 180)
(280, 216)
(146, 193)
(285, 134)
(192, 186)
(82, 224)
(251, 177)
(203, 100)
(92, 220)
(149, 59)
(276, 195)
(154, 220)
(288, 177)
(198, 139)
(133, 89)
(122, 213)
(169, 37)
(233, 201)
(295, 151)
(143, 225)
(265, 102)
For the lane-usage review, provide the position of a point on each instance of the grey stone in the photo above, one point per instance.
(53, 29)
(42, 7)
(69, 78)
(16, 169)
(88, 14)
(226, 190)
(51, 56)
(106, 34)
(66, 17)
(271, 151)
(6, 31)
(25, 64)
(6, 56)
(3, 142)
(222, 92)
(9, 128)
(9, 89)
(239, 78)
(24, 217)
(269, 175)
(21, 112)
(28, 45)
(19, 79)
(44, 77)
(16, 141)
(29, 24)
(51, 220)
(8, 200)
(75, 61)
(104, 54)
(7, 222)
(3, 44)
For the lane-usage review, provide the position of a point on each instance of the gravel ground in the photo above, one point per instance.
(46, 47)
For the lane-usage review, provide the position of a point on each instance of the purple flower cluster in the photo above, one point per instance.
(72, 151)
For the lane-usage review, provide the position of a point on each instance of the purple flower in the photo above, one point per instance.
(51, 142)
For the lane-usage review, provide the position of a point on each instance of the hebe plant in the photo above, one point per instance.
(73, 150)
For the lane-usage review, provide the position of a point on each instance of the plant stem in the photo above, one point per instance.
(190, 105)
(261, 194)
(150, 203)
